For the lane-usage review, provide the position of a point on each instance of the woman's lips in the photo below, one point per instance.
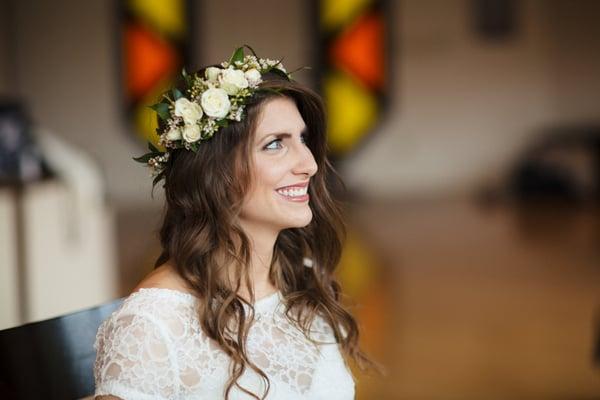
(300, 185)
(295, 193)
(297, 199)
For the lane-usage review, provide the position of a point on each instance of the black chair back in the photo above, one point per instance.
(51, 359)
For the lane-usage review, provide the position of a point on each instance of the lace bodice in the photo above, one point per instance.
(152, 347)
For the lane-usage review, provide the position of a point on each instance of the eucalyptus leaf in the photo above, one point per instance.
(162, 110)
(176, 94)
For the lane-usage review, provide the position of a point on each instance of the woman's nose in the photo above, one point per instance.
(306, 163)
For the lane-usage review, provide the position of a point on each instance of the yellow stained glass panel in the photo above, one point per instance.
(165, 16)
(352, 111)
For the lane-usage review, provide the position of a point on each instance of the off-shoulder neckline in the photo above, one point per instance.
(259, 305)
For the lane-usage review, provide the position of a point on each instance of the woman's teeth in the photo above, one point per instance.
(293, 192)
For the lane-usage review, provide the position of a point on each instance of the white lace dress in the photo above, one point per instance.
(152, 347)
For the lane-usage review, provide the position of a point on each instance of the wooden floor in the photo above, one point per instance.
(483, 303)
(488, 303)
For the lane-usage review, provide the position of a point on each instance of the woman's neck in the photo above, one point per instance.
(262, 244)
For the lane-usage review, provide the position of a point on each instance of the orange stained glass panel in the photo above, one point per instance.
(148, 59)
(359, 50)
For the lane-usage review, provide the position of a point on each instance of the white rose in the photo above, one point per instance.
(215, 102)
(190, 112)
(232, 80)
(212, 73)
(253, 77)
(174, 134)
(191, 133)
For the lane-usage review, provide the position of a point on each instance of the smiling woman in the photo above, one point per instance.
(242, 302)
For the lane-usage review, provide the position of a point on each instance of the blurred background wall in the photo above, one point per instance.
(462, 107)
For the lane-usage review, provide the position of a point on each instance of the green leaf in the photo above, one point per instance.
(165, 96)
(238, 55)
(157, 178)
(176, 94)
(152, 148)
(145, 158)
(298, 70)
(162, 109)
(279, 72)
(269, 90)
(222, 123)
(189, 79)
(251, 50)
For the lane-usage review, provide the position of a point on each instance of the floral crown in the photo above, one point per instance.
(206, 104)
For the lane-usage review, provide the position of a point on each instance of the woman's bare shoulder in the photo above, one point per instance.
(165, 277)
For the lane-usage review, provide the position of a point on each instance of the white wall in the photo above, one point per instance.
(464, 109)
(574, 59)
(9, 279)
(461, 112)
(67, 71)
(273, 28)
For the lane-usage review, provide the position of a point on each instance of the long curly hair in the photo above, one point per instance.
(201, 234)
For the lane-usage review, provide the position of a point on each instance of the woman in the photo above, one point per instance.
(242, 302)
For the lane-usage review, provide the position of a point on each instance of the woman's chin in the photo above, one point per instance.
(300, 221)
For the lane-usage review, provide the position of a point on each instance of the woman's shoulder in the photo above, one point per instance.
(164, 277)
(162, 289)
(139, 341)
(158, 300)
(155, 300)
(165, 310)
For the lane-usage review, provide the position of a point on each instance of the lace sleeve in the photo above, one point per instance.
(134, 359)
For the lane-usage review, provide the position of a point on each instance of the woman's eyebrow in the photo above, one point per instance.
(284, 134)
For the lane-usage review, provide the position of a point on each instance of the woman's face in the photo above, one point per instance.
(283, 166)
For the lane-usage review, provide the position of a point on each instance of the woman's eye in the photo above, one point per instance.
(271, 147)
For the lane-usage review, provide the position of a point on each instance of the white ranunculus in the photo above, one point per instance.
(191, 133)
(215, 102)
(212, 74)
(174, 134)
(190, 111)
(232, 80)
(253, 77)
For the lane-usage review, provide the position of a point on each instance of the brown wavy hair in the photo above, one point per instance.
(201, 234)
